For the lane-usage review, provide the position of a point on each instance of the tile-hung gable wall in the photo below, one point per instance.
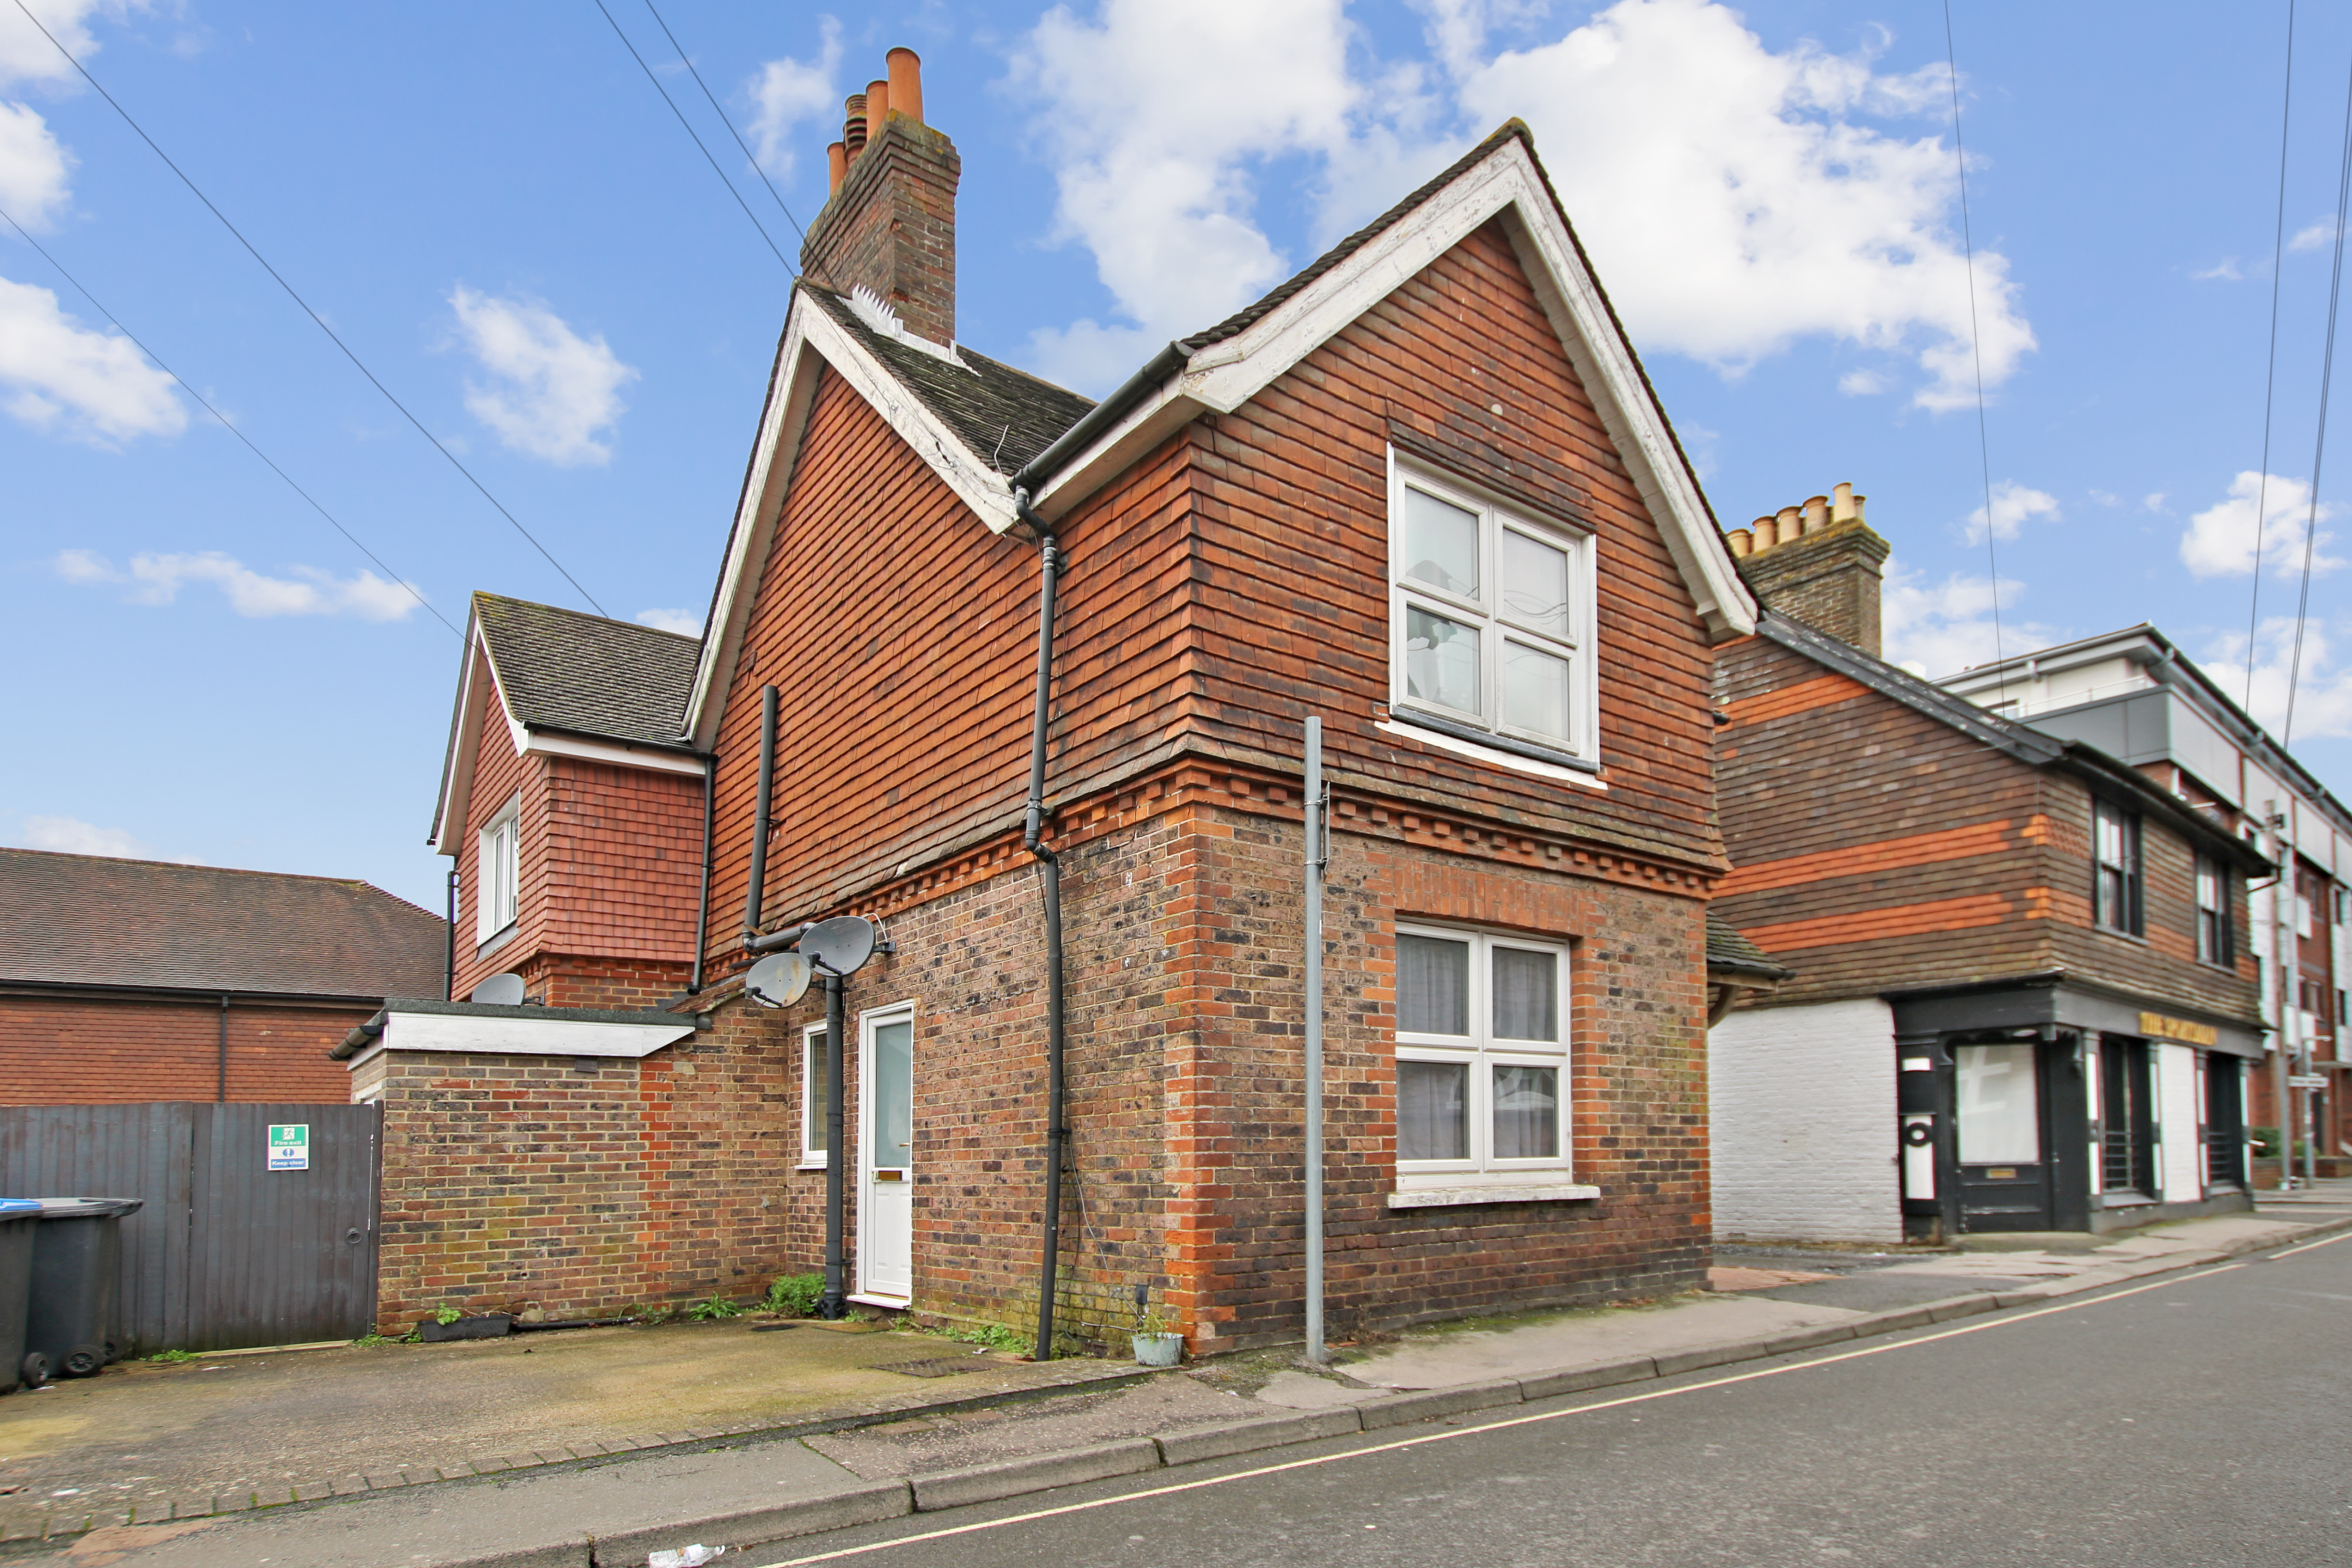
(501, 776)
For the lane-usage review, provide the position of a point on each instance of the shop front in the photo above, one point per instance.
(2049, 1104)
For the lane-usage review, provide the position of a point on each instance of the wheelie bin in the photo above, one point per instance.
(73, 1313)
(18, 1220)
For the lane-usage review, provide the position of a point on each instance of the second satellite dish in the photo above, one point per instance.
(778, 981)
(500, 991)
(838, 946)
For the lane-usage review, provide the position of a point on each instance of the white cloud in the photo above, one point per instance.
(70, 836)
(2219, 540)
(685, 622)
(787, 91)
(555, 389)
(2226, 270)
(2317, 236)
(26, 57)
(1155, 116)
(2105, 497)
(2153, 500)
(1733, 204)
(2013, 505)
(1732, 200)
(157, 579)
(33, 167)
(2323, 693)
(1940, 629)
(58, 375)
(1861, 383)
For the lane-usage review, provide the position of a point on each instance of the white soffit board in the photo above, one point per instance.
(466, 745)
(812, 339)
(528, 1035)
(615, 752)
(1224, 376)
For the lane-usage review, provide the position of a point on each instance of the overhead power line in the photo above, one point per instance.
(2270, 375)
(225, 423)
(688, 126)
(1976, 352)
(2319, 445)
(688, 60)
(279, 279)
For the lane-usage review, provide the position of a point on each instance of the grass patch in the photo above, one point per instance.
(716, 1307)
(172, 1357)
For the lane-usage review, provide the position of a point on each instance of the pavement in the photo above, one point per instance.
(805, 1430)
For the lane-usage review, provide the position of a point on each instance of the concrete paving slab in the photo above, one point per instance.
(1548, 1342)
(1305, 1391)
(950, 1442)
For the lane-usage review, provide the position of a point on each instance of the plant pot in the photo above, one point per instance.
(1158, 1349)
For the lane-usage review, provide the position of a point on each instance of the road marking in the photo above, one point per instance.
(2307, 1247)
(1995, 1321)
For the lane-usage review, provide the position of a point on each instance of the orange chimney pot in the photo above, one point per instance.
(906, 83)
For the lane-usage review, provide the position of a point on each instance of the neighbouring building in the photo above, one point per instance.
(2022, 996)
(2137, 697)
(1422, 490)
(137, 979)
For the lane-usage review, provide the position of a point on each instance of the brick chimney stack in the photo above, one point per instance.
(1819, 563)
(890, 222)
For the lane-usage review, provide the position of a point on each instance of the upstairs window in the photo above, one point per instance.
(1491, 621)
(499, 871)
(2115, 850)
(1482, 1053)
(2216, 939)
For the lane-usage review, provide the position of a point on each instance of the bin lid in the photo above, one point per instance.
(89, 1208)
(17, 1208)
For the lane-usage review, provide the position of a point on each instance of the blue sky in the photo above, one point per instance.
(495, 210)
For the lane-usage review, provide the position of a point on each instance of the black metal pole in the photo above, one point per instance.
(757, 883)
(832, 1305)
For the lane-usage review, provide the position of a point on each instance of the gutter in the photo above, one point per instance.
(1096, 420)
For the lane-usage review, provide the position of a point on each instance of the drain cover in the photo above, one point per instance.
(939, 1366)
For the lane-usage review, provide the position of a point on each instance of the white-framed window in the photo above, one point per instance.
(1481, 1056)
(813, 1079)
(2215, 940)
(1491, 614)
(498, 871)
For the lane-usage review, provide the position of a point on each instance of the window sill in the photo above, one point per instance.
(496, 939)
(1497, 750)
(1531, 1192)
(817, 1166)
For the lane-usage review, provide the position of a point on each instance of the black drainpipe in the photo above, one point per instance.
(833, 1303)
(221, 1090)
(759, 824)
(702, 906)
(1033, 829)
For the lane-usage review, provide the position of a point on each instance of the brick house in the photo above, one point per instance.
(2022, 998)
(1422, 490)
(137, 981)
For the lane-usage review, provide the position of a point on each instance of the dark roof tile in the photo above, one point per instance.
(561, 669)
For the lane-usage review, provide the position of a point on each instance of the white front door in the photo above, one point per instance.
(885, 1154)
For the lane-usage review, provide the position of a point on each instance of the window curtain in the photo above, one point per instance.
(1433, 985)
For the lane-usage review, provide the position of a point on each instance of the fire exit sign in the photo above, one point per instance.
(289, 1146)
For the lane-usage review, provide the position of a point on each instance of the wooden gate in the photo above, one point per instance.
(228, 1251)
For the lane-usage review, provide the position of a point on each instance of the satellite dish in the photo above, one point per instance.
(500, 991)
(778, 981)
(840, 945)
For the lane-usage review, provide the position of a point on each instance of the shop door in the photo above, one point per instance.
(2225, 1120)
(886, 1158)
(2126, 1120)
(2000, 1096)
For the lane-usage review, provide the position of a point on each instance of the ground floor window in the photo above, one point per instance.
(813, 1079)
(1481, 1052)
(2127, 1117)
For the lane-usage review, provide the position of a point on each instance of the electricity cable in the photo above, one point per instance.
(688, 61)
(305, 304)
(2319, 447)
(225, 423)
(2270, 375)
(1976, 353)
(690, 131)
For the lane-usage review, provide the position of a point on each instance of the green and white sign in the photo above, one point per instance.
(289, 1146)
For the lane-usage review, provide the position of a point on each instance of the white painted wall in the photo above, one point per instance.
(2183, 1156)
(1803, 1108)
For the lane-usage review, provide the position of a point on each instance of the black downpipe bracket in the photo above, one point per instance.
(1033, 829)
(758, 880)
(702, 905)
(833, 1303)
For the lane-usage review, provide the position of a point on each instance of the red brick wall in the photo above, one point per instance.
(583, 1188)
(87, 1051)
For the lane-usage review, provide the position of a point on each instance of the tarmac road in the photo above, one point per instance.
(2198, 1420)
